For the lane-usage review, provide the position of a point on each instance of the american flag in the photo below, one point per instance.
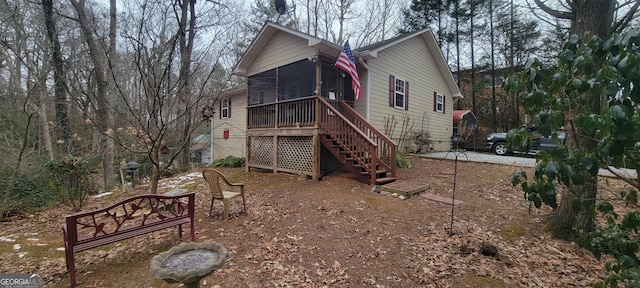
(345, 62)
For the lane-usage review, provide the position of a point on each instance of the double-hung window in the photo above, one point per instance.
(439, 103)
(398, 93)
(225, 108)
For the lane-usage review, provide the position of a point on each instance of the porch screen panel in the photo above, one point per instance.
(331, 77)
(296, 80)
(262, 88)
(295, 153)
(261, 151)
(329, 81)
(347, 91)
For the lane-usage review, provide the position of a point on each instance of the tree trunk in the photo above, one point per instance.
(109, 146)
(186, 38)
(573, 219)
(494, 101)
(155, 171)
(60, 85)
(46, 134)
(101, 97)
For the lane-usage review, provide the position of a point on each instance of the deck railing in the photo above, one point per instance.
(299, 112)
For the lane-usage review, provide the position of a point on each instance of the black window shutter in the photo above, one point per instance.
(220, 114)
(229, 108)
(435, 101)
(392, 90)
(444, 100)
(406, 95)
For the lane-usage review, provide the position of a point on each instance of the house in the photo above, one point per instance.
(302, 116)
(228, 123)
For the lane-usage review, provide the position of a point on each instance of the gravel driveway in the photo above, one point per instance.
(510, 160)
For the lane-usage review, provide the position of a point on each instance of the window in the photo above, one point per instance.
(398, 93)
(438, 102)
(225, 108)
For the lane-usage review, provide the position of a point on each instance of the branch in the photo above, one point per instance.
(624, 22)
(623, 176)
(546, 20)
(555, 13)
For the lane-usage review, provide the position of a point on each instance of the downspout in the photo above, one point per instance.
(368, 103)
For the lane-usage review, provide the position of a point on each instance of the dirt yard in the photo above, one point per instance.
(336, 233)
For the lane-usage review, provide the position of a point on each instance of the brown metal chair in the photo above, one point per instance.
(213, 178)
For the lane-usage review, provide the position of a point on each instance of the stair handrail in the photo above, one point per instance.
(388, 143)
(371, 146)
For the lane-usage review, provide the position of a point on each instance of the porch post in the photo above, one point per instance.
(316, 136)
(318, 90)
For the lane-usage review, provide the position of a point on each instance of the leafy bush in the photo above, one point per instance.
(70, 180)
(229, 161)
(29, 195)
(402, 161)
(593, 90)
(620, 240)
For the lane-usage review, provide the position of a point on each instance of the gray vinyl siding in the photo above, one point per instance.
(281, 50)
(235, 145)
(411, 61)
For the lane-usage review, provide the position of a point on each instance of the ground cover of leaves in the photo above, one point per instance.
(336, 233)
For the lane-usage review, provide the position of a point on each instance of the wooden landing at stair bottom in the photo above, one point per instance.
(401, 187)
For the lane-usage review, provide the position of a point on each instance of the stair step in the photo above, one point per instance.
(378, 172)
(385, 180)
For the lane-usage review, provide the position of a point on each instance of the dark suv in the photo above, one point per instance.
(497, 143)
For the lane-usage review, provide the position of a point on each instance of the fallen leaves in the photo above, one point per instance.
(336, 232)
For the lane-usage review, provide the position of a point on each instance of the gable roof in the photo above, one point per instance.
(265, 35)
(364, 53)
(371, 51)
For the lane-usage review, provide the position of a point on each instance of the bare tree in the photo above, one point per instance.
(186, 16)
(100, 71)
(62, 105)
(24, 67)
(153, 90)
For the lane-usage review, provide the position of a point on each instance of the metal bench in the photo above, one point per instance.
(128, 218)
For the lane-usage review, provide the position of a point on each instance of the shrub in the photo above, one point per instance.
(30, 195)
(70, 180)
(402, 161)
(27, 194)
(229, 161)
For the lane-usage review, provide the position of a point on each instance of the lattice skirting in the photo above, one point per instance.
(294, 153)
(261, 151)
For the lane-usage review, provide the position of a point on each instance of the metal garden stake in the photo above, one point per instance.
(456, 153)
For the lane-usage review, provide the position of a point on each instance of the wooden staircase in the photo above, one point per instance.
(362, 149)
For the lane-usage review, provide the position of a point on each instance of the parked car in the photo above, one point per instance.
(497, 143)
